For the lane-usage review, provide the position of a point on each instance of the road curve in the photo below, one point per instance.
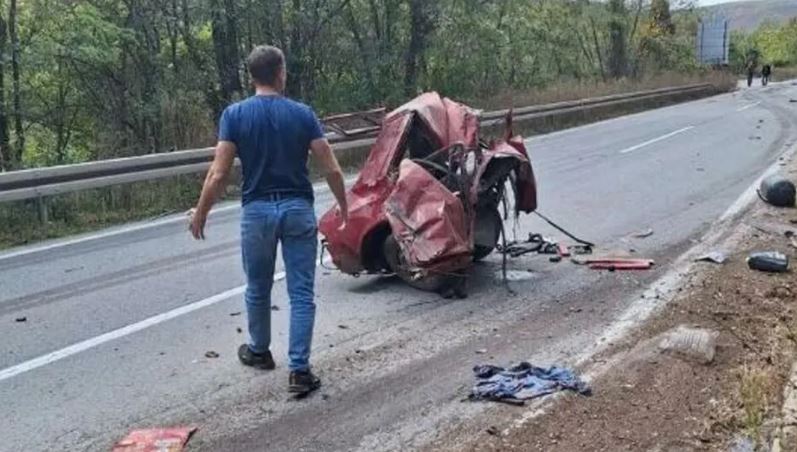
(118, 323)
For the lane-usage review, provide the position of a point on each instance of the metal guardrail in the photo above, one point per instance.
(55, 180)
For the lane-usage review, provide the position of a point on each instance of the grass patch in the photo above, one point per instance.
(754, 390)
(780, 74)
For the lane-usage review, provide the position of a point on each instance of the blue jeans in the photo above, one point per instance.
(292, 223)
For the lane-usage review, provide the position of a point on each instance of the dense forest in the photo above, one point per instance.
(770, 43)
(91, 79)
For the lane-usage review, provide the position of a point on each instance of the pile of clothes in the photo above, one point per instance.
(523, 382)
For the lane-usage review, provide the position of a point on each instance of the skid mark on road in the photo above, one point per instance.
(108, 280)
(121, 332)
(127, 330)
(656, 140)
(748, 106)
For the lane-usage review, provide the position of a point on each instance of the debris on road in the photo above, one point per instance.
(235, 314)
(615, 263)
(155, 440)
(211, 354)
(534, 243)
(641, 264)
(777, 190)
(481, 351)
(643, 234)
(239, 330)
(519, 383)
(537, 243)
(769, 261)
(516, 275)
(21, 319)
(717, 257)
(343, 327)
(492, 430)
(694, 343)
(275, 307)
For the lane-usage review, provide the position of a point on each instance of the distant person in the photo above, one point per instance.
(272, 136)
(750, 72)
(766, 72)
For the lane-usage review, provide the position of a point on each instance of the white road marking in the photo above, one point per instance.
(748, 106)
(318, 188)
(656, 140)
(106, 234)
(79, 347)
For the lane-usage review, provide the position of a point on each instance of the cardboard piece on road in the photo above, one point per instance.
(155, 440)
(638, 264)
(642, 234)
(608, 259)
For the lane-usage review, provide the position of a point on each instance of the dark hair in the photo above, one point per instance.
(265, 64)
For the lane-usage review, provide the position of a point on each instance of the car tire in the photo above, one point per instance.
(487, 231)
(394, 262)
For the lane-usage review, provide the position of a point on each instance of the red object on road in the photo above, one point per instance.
(621, 264)
(155, 440)
(426, 201)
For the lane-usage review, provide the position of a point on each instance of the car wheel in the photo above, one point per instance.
(487, 233)
(395, 263)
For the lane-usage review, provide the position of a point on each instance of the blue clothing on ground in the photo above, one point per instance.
(273, 135)
(292, 222)
(523, 382)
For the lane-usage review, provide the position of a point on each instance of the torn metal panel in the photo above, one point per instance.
(428, 221)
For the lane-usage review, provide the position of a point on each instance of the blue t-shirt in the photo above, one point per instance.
(273, 135)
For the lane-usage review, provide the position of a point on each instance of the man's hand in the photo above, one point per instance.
(196, 224)
(344, 218)
(215, 181)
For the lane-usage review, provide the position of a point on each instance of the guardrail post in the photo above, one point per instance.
(41, 204)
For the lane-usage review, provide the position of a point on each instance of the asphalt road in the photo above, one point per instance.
(117, 323)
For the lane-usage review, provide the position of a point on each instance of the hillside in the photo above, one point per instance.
(748, 15)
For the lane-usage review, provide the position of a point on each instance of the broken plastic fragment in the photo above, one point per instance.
(717, 257)
(695, 343)
(155, 440)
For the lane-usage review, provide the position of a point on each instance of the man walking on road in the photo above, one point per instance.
(271, 135)
(766, 72)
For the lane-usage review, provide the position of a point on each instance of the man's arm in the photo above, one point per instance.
(215, 181)
(323, 154)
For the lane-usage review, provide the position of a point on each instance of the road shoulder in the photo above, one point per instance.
(651, 398)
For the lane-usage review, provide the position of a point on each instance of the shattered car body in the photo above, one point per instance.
(426, 203)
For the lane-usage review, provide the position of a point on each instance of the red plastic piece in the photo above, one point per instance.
(155, 440)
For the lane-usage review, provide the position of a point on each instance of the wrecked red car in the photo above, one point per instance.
(426, 203)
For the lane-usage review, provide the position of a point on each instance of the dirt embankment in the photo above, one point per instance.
(660, 401)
